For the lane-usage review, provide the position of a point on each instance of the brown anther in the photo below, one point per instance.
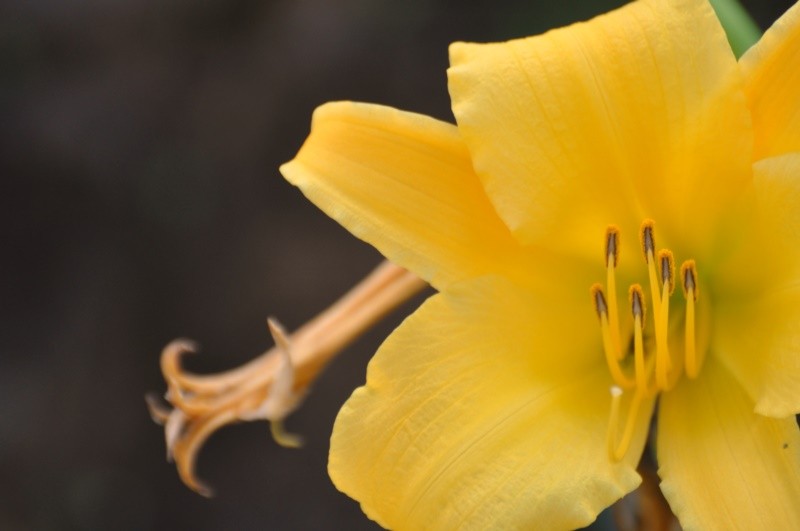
(612, 245)
(689, 276)
(636, 298)
(599, 299)
(648, 239)
(667, 263)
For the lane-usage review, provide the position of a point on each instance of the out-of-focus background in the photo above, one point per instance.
(140, 201)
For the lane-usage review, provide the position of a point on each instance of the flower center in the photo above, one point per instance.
(655, 367)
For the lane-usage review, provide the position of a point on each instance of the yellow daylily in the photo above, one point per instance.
(634, 150)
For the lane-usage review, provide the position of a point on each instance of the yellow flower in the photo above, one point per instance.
(605, 151)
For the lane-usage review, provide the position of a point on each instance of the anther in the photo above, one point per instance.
(689, 276)
(690, 291)
(636, 297)
(601, 307)
(648, 239)
(612, 245)
(667, 263)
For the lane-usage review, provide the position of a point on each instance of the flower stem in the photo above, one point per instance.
(741, 29)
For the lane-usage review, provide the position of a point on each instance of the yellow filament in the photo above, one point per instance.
(618, 449)
(663, 361)
(613, 314)
(638, 354)
(638, 310)
(613, 363)
(611, 357)
(692, 368)
(651, 271)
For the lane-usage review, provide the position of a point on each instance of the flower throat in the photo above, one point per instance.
(655, 368)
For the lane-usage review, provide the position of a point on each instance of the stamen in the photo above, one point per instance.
(663, 360)
(617, 450)
(611, 358)
(636, 297)
(649, 249)
(690, 291)
(612, 258)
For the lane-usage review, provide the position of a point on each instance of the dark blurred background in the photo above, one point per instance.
(140, 201)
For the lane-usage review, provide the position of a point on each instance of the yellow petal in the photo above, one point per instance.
(404, 183)
(723, 466)
(757, 334)
(772, 77)
(638, 113)
(477, 414)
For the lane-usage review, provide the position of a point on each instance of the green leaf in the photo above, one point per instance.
(742, 31)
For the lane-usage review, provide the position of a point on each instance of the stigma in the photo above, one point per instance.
(653, 361)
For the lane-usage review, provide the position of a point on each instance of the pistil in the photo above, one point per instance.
(618, 449)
